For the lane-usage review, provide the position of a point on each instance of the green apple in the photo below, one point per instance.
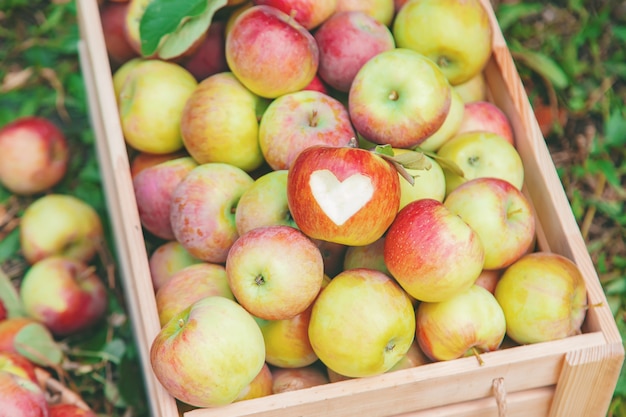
(481, 154)
(220, 122)
(399, 97)
(543, 296)
(208, 353)
(456, 35)
(362, 323)
(428, 183)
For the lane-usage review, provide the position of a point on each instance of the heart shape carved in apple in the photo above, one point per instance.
(340, 200)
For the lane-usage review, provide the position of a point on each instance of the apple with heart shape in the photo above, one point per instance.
(153, 193)
(481, 154)
(69, 410)
(293, 379)
(344, 195)
(220, 122)
(362, 323)
(64, 294)
(21, 397)
(450, 126)
(427, 183)
(299, 120)
(260, 386)
(275, 287)
(60, 224)
(309, 13)
(34, 155)
(194, 354)
(474, 89)
(543, 296)
(402, 110)
(500, 214)
(188, 286)
(432, 252)
(381, 10)
(456, 35)
(469, 323)
(167, 259)
(285, 59)
(486, 116)
(346, 41)
(213, 189)
(151, 99)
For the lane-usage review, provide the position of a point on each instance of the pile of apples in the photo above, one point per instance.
(60, 293)
(333, 195)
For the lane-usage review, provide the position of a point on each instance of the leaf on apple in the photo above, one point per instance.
(170, 27)
(445, 163)
(402, 162)
(10, 297)
(35, 342)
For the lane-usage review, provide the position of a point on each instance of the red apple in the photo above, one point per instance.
(309, 13)
(486, 116)
(3, 311)
(15, 363)
(33, 155)
(317, 84)
(143, 160)
(69, 410)
(113, 18)
(270, 52)
(64, 294)
(21, 397)
(293, 379)
(209, 57)
(343, 195)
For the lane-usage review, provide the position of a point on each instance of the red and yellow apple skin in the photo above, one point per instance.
(299, 120)
(543, 296)
(33, 155)
(470, 322)
(367, 256)
(64, 294)
(153, 193)
(208, 353)
(166, 260)
(346, 41)
(343, 195)
(309, 13)
(261, 385)
(293, 379)
(362, 323)
(403, 110)
(432, 252)
(17, 364)
(381, 10)
(474, 89)
(486, 116)
(271, 287)
(270, 53)
(209, 57)
(500, 214)
(21, 397)
(113, 18)
(143, 160)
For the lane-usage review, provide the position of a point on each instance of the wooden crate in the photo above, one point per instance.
(572, 377)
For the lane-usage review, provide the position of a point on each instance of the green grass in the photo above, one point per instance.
(571, 56)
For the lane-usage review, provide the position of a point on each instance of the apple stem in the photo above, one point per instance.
(314, 119)
(181, 323)
(259, 280)
(393, 95)
(476, 354)
(85, 273)
(600, 304)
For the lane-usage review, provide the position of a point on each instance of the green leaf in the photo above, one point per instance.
(508, 14)
(383, 150)
(445, 163)
(10, 297)
(616, 129)
(35, 342)
(10, 245)
(541, 64)
(115, 350)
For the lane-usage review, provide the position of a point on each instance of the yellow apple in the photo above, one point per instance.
(450, 126)
(428, 183)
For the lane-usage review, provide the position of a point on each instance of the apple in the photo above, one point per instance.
(346, 41)
(398, 4)
(428, 183)
(21, 397)
(317, 84)
(9, 328)
(270, 52)
(234, 14)
(287, 342)
(188, 286)
(488, 279)
(34, 155)
(64, 294)
(414, 357)
(194, 354)
(450, 126)
(381, 10)
(151, 101)
(274, 287)
(293, 379)
(69, 410)
(113, 20)
(432, 252)
(332, 255)
(299, 120)
(401, 110)
(209, 57)
(167, 259)
(261, 385)
(362, 323)
(143, 160)
(456, 35)
(134, 12)
(342, 194)
(17, 364)
(501, 216)
(474, 89)
(470, 322)
(481, 154)
(153, 188)
(220, 123)
(3, 311)
(367, 256)
(60, 224)
(120, 75)
(543, 296)
(213, 189)
(309, 13)
(486, 116)
(264, 203)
